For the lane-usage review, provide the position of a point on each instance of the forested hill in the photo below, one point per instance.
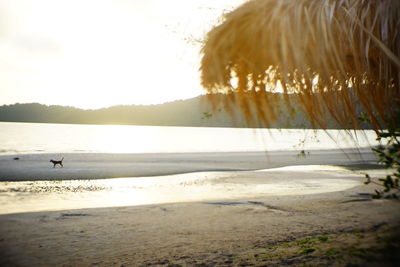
(192, 112)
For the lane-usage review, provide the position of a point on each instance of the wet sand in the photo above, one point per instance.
(32, 196)
(86, 180)
(213, 218)
(97, 166)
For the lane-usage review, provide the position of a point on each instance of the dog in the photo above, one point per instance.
(55, 162)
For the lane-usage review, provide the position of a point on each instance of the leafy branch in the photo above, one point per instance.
(389, 155)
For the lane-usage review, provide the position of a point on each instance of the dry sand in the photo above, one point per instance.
(272, 227)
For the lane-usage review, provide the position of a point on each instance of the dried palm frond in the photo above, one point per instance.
(339, 57)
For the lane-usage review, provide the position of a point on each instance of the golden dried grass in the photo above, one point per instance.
(338, 56)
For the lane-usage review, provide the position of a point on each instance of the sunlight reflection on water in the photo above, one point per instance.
(34, 138)
(60, 195)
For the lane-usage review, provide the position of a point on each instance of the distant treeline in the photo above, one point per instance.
(192, 112)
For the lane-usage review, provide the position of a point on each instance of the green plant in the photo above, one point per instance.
(389, 155)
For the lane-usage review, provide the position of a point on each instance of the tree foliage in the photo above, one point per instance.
(389, 155)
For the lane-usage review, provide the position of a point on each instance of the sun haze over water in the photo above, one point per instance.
(17, 138)
(93, 54)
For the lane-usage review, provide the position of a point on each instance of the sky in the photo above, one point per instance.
(99, 53)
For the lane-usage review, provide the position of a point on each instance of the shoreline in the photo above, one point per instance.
(12, 153)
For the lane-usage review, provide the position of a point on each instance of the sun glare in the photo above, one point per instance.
(93, 54)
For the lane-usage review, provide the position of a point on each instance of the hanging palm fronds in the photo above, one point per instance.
(339, 58)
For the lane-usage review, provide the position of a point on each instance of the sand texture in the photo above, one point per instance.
(219, 233)
(96, 165)
(317, 215)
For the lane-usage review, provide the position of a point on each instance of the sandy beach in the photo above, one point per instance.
(109, 165)
(226, 209)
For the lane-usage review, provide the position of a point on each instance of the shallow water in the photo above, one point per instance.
(16, 138)
(18, 197)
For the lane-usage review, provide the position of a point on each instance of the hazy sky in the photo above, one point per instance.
(98, 53)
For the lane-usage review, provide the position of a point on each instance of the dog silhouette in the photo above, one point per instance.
(55, 162)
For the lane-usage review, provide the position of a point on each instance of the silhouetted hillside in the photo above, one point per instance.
(192, 112)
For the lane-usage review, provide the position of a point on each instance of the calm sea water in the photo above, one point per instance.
(18, 138)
